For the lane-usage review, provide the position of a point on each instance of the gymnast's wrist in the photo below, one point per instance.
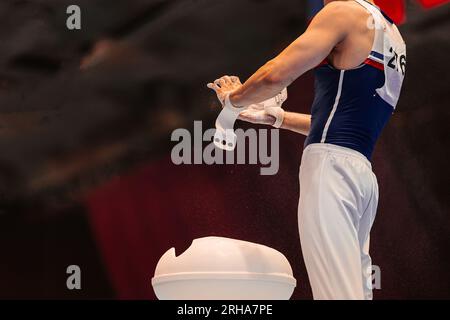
(278, 114)
(234, 98)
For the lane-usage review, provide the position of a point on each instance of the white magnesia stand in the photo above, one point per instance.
(216, 268)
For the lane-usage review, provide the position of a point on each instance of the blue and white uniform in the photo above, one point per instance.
(338, 190)
(351, 107)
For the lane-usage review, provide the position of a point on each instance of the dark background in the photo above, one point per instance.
(85, 122)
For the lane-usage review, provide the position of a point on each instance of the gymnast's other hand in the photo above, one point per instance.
(257, 114)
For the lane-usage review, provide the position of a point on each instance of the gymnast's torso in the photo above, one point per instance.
(351, 107)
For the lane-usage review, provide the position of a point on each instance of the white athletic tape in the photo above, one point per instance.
(225, 138)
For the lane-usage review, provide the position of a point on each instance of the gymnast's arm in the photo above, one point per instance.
(329, 27)
(297, 122)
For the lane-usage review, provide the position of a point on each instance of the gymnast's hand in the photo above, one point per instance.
(257, 114)
(224, 86)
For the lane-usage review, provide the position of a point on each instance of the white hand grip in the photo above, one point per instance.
(224, 137)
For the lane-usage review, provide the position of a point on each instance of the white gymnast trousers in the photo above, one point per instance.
(337, 207)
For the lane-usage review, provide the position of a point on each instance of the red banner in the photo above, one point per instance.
(432, 3)
(395, 9)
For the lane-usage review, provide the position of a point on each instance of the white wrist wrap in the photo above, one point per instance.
(278, 114)
(273, 107)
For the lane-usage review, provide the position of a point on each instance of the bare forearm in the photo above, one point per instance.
(261, 86)
(297, 122)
